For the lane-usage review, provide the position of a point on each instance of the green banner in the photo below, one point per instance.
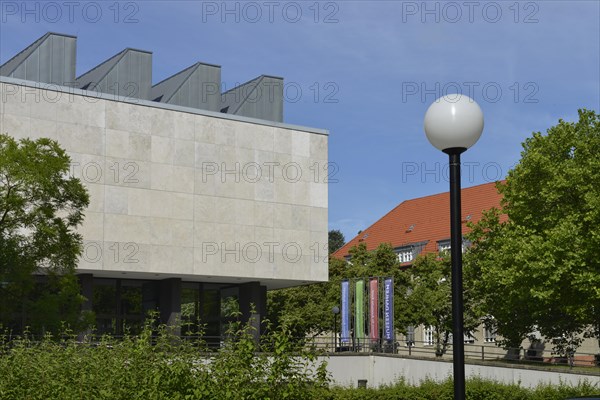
(359, 308)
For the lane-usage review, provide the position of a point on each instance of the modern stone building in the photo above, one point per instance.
(200, 200)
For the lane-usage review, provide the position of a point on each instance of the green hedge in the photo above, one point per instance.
(163, 367)
(476, 389)
(142, 367)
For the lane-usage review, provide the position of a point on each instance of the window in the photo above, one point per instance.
(410, 336)
(468, 338)
(121, 304)
(444, 245)
(201, 309)
(489, 335)
(405, 254)
(428, 336)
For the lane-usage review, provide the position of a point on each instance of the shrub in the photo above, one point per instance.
(476, 389)
(157, 365)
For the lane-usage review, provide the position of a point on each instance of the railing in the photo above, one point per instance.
(418, 349)
(482, 352)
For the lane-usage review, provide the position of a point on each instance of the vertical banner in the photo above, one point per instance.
(374, 310)
(359, 311)
(345, 336)
(388, 309)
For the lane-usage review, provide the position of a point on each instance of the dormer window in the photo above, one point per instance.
(405, 254)
(444, 245)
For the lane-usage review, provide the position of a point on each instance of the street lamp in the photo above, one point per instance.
(453, 123)
(335, 310)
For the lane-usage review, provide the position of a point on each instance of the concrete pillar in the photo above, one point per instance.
(169, 300)
(253, 304)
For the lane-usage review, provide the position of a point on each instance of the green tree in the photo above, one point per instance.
(494, 267)
(422, 295)
(336, 240)
(307, 310)
(40, 208)
(540, 268)
(383, 262)
(429, 301)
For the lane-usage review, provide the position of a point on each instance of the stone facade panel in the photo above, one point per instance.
(174, 193)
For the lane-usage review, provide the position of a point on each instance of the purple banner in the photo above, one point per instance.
(345, 337)
(388, 309)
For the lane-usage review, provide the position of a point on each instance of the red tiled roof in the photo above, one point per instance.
(429, 217)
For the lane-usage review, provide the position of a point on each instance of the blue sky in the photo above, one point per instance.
(364, 70)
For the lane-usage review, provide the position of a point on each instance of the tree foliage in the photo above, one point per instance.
(307, 310)
(40, 207)
(157, 365)
(336, 240)
(540, 269)
(495, 268)
(429, 302)
(422, 295)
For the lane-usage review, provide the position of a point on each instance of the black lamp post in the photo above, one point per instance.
(335, 310)
(453, 123)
